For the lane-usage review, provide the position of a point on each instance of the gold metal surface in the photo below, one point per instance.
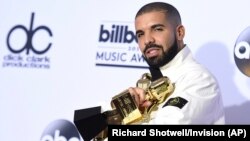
(125, 110)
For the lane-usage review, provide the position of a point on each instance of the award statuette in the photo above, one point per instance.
(124, 108)
(156, 92)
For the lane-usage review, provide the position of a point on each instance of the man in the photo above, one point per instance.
(160, 36)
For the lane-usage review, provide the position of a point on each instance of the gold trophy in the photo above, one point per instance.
(125, 110)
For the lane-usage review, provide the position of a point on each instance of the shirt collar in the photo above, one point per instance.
(178, 59)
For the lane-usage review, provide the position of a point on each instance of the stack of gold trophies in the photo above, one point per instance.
(125, 111)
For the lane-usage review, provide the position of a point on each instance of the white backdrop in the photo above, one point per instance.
(82, 67)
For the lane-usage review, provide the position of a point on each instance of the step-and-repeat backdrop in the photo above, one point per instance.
(60, 56)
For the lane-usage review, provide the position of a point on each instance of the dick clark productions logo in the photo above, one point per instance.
(34, 56)
(30, 33)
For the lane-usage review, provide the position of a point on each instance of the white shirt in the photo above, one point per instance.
(195, 85)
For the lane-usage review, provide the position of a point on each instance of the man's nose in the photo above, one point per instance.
(149, 39)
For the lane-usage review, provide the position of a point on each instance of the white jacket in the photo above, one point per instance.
(197, 91)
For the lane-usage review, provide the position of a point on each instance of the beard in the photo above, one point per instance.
(164, 58)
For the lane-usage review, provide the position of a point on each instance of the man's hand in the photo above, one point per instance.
(140, 97)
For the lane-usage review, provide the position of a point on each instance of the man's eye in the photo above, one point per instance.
(139, 35)
(158, 29)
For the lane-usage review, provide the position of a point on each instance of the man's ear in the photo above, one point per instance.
(180, 32)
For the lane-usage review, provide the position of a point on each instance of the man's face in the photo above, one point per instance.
(156, 38)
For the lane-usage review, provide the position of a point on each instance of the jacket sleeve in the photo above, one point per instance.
(195, 100)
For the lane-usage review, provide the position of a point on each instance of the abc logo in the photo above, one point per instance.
(242, 52)
(60, 130)
(58, 137)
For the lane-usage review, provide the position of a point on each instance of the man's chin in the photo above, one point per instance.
(153, 63)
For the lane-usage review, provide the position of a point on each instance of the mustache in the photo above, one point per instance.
(151, 46)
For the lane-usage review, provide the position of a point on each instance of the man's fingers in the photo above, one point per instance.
(138, 93)
(146, 104)
(134, 95)
(139, 96)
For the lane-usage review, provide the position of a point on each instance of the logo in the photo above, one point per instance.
(118, 34)
(242, 52)
(176, 101)
(117, 46)
(60, 130)
(34, 55)
(30, 33)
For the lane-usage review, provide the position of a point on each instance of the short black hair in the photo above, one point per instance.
(170, 11)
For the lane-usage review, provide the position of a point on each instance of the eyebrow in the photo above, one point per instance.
(157, 25)
(138, 31)
(152, 27)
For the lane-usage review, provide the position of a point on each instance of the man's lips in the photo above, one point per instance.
(152, 52)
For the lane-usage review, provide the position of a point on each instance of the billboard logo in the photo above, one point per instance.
(117, 34)
(242, 52)
(117, 46)
(60, 130)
